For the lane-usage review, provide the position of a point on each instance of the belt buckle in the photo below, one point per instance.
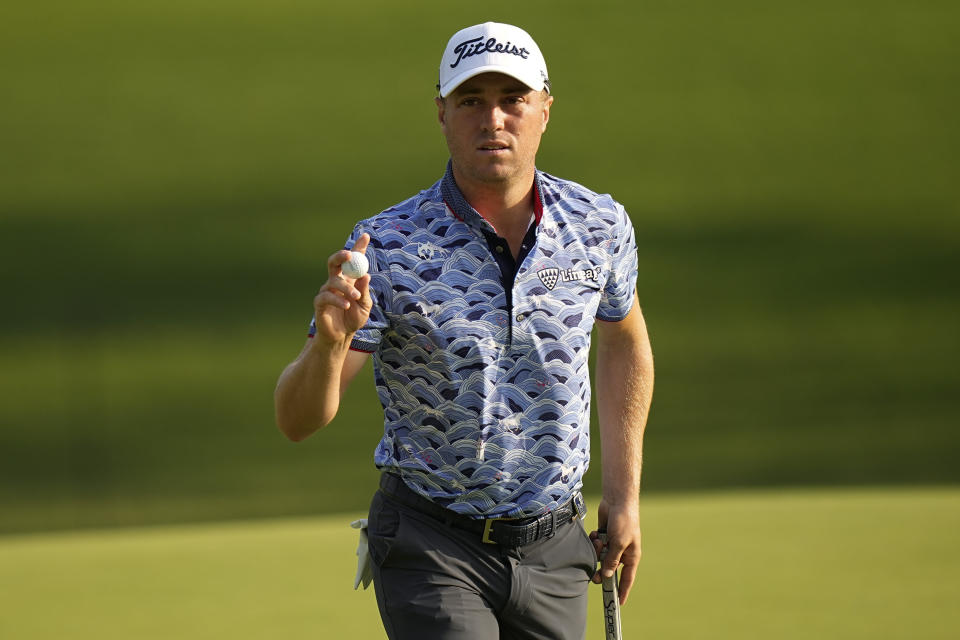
(487, 529)
(580, 509)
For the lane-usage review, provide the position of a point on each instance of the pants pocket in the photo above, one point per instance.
(591, 552)
(383, 526)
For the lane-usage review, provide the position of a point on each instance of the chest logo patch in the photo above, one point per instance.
(550, 277)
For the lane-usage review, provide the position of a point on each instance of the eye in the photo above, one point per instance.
(470, 101)
(514, 102)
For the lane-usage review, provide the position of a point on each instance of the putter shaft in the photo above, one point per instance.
(611, 599)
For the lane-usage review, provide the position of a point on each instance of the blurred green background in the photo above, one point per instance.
(173, 176)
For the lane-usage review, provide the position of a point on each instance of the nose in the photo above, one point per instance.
(493, 118)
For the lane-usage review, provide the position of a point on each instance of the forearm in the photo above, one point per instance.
(624, 380)
(308, 392)
(624, 391)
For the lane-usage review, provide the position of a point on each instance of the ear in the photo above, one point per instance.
(441, 110)
(547, 103)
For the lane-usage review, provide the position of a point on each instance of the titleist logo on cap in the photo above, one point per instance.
(476, 46)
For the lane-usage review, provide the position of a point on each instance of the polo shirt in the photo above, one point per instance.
(480, 361)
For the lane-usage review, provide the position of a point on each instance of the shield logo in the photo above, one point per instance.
(549, 277)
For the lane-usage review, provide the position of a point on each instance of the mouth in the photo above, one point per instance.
(493, 147)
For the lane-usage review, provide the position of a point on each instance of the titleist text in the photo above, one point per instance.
(476, 46)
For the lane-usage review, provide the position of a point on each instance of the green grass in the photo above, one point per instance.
(798, 564)
(174, 176)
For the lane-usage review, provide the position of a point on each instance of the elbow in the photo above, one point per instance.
(299, 413)
(298, 428)
(296, 431)
(291, 431)
(288, 427)
(296, 436)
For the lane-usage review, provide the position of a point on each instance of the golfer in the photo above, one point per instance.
(482, 296)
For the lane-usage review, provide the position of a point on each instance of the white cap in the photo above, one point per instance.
(492, 46)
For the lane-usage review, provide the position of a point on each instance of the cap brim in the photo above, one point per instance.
(535, 83)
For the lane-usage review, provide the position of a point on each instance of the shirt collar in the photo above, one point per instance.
(460, 208)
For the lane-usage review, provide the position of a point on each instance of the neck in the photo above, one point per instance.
(506, 205)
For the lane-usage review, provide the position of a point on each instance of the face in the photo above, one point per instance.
(493, 124)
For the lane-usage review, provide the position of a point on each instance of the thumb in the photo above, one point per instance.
(609, 565)
(360, 246)
(609, 557)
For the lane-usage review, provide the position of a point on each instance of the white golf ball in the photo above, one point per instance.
(356, 266)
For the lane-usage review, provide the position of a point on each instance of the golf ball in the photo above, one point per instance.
(356, 266)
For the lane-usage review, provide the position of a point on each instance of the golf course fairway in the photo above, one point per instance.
(850, 564)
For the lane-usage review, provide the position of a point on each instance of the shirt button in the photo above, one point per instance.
(520, 317)
(499, 248)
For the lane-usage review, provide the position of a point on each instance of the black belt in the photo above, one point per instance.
(509, 532)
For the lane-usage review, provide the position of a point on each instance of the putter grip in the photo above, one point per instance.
(611, 599)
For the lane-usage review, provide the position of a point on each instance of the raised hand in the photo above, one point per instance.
(343, 304)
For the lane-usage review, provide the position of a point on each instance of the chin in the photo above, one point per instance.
(487, 172)
(496, 173)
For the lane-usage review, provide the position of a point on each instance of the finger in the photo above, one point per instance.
(362, 286)
(335, 260)
(611, 556)
(597, 543)
(605, 553)
(610, 563)
(344, 286)
(360, 246)
(327, 298)
(627, 576)
(598, 547)
(597, 578)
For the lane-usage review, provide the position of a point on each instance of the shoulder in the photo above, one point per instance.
(396, 224)
(569, 198)
(417, 208)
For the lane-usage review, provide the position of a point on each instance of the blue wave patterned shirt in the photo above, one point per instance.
(486, 396)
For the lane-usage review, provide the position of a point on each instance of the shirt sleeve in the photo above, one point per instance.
(621, 283)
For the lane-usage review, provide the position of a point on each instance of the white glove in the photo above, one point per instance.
(364, 571)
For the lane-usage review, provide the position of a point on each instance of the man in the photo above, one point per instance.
(479, 306)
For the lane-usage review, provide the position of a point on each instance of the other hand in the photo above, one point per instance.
(622, 524)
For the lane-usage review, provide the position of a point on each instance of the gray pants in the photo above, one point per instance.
(436, 581)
